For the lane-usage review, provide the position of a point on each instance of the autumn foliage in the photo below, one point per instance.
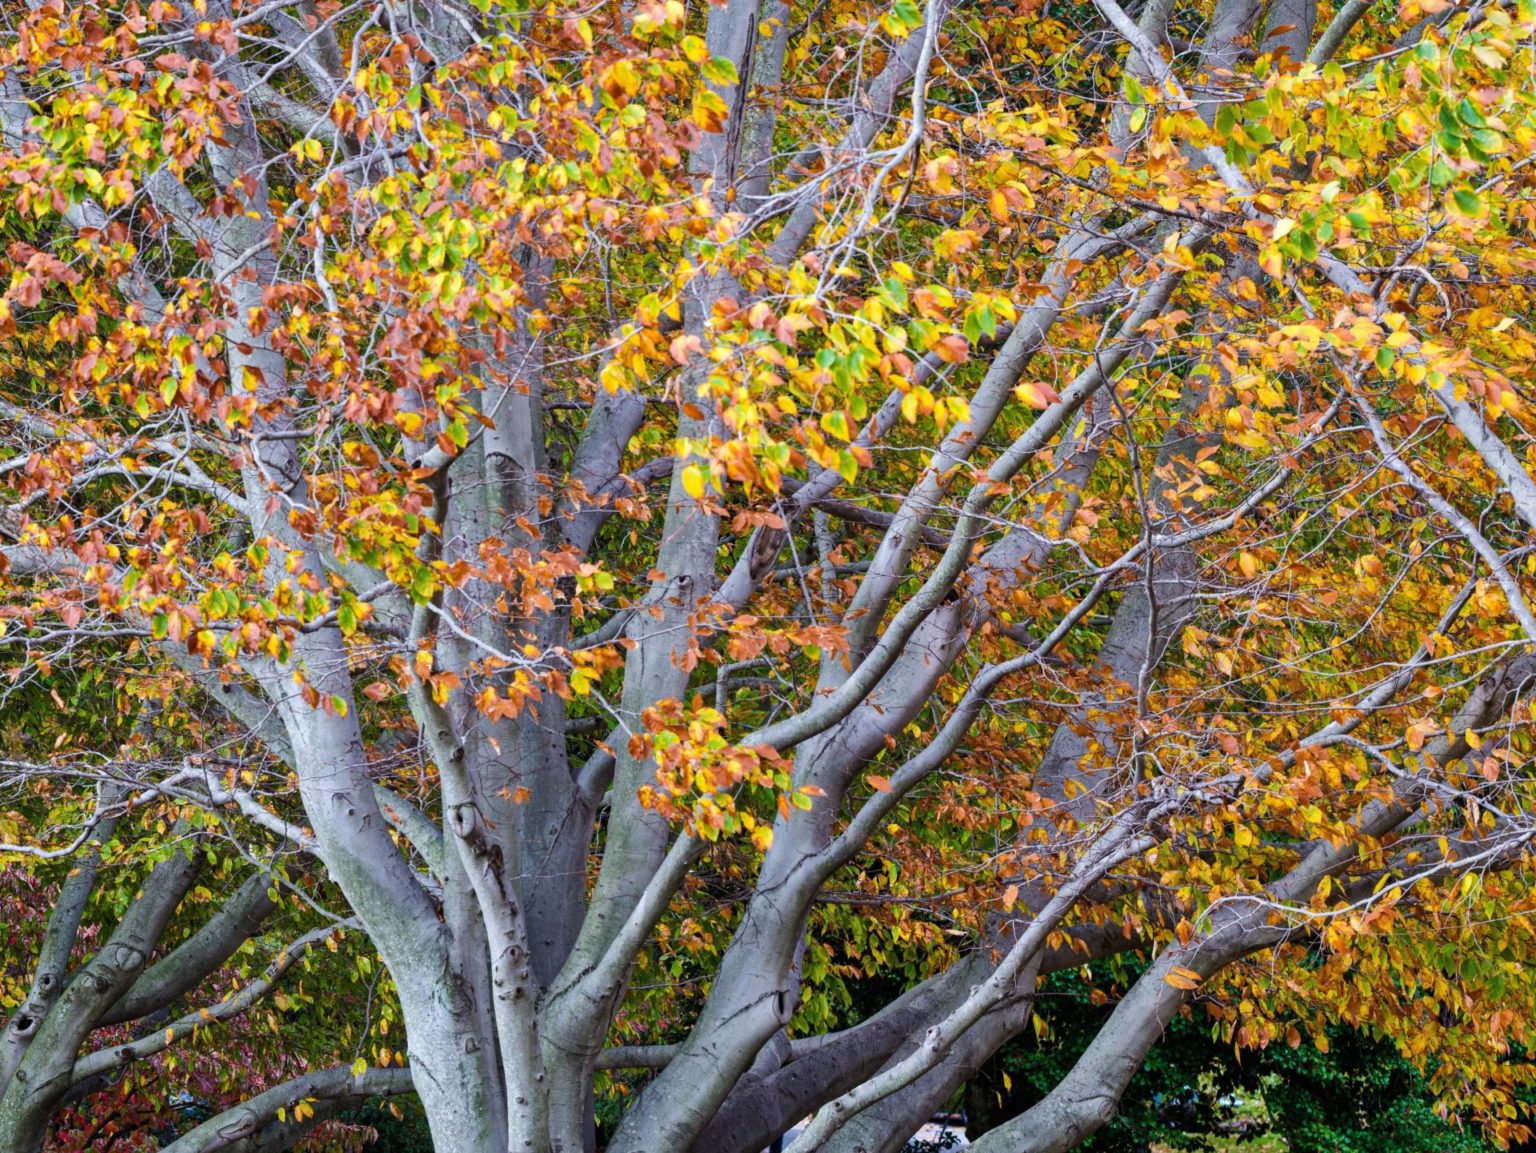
(648, 519)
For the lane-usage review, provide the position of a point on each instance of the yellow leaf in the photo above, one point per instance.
(614, 376)
(693, 481)
(625, 76)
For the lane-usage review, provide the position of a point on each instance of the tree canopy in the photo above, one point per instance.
(660, 517)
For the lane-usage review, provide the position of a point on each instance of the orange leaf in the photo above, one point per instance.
(1182, 978)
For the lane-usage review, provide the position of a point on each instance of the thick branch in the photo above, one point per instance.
(187, 966)
(235, 1129)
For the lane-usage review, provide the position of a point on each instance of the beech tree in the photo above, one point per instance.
(147, 958)
(679, 504)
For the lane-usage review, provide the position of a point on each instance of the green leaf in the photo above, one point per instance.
(720, 70)
(1467, 201)
(847, 466)
(907, 15)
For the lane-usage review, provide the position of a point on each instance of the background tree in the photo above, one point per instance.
(146, 971)
(1356, 1093)
(657, 480)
